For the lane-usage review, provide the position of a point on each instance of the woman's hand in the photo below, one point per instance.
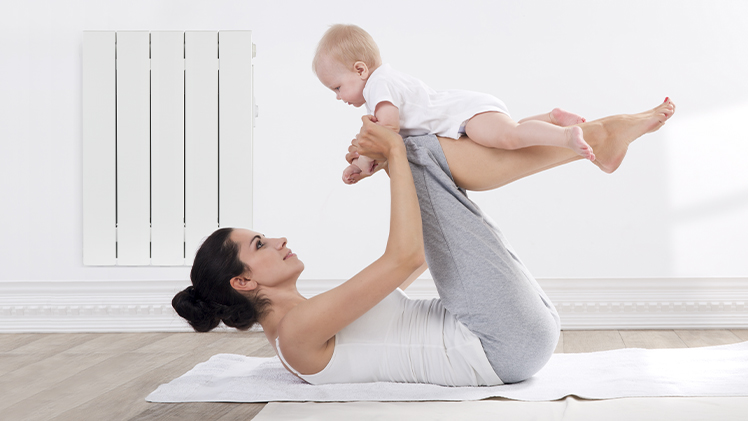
(353, 152)
(375, 141)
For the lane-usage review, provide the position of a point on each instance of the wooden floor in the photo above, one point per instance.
(88, 376)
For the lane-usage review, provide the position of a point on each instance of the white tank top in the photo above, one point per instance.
(404, 340)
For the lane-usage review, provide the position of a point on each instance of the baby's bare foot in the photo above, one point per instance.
(576, 142)
(564, 118)
(351, 174)
(367, 165)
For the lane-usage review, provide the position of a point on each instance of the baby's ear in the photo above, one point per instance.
(362, 69)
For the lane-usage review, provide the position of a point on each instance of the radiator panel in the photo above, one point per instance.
(164, 134)
(235, 152)
(167, 148)
(133, 148)
(99, 149)
(201, 138)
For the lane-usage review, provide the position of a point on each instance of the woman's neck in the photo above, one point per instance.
(280, 304)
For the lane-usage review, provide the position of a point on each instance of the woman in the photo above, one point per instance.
(492, 324)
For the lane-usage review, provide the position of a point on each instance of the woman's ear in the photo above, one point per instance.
(241, 283)
(362, 69)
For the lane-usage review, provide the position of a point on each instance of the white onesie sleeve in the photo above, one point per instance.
(379, 90)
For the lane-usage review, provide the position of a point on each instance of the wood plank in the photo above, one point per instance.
(560, 345)
(266, 350)
(243, 411)
(11, 362)
(11, 341)
(129, 401)
(78, 389)
(29, 380)
(53, 343)
(592, 340)
(651, 339)
(178, 342)
(707, 337)
(740, 333)
(116, 342)
(204, 411)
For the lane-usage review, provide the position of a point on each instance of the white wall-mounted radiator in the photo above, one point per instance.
(168, 119)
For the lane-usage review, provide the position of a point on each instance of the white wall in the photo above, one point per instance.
(678, 207)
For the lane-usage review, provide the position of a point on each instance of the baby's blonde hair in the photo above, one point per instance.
(348, 44)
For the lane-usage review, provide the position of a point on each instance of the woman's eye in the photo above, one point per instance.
(259, 244)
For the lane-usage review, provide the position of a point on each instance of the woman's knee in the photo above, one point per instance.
(528, 354)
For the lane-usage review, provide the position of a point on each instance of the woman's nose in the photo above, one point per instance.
(282, 242)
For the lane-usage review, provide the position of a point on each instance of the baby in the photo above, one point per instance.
(348, 62)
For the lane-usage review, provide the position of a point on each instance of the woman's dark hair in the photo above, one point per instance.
(211, 298)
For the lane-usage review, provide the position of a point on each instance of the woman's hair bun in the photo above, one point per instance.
(200, 314)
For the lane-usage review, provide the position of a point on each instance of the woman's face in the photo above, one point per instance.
(270, 261)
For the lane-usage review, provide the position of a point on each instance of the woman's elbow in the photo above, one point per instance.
(420, 259)
(412, 260)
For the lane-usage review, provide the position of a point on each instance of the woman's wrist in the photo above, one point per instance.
(396, 152)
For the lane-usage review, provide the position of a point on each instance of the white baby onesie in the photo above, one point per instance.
(422, 109)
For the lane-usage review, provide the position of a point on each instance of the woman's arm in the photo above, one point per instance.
(307, 332)
(413, 276)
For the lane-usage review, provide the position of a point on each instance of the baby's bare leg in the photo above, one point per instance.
(497, 130)
(476, 167)
(558, 117)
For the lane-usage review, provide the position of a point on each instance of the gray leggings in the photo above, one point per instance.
(478, 276)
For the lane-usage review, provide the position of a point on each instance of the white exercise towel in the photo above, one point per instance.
(709, 371)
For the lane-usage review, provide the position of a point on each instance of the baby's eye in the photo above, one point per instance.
(338, 88)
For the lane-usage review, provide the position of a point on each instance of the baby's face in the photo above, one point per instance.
(347, 83)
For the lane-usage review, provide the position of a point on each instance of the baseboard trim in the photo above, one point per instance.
(145, 306)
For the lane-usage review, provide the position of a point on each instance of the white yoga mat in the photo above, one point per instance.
(709, 371)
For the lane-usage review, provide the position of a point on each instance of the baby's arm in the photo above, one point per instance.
(388, 116)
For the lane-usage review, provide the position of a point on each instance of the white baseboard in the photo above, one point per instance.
(145, 306)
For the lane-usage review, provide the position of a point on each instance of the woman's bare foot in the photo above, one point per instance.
(611, 136)
(575, 141)
(564, 118)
